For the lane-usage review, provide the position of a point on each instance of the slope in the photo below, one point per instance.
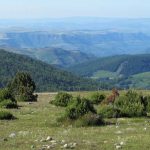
(125, 65)
(47, 78)
(55, 56)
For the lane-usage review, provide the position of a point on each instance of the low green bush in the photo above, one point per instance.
(5, 115)
(7, 100)
(6, 94)
(130, 105)
(62, 99)
(89, 119)
(148, 104)
(79, 107)
(108, 111)
(97, 98)
(8, 104)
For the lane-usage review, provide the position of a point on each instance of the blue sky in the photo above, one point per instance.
(68, 8)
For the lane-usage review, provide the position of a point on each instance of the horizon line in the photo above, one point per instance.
(73, 17)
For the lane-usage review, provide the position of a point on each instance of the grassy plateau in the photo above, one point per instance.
(38, 120)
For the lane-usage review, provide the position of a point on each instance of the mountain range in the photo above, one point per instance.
(112, 51)
(80, 39)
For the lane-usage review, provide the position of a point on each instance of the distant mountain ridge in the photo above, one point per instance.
(89, 36)
(55, 56)
(97, 43)
(113, 50)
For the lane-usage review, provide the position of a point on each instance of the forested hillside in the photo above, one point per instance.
(124, 71)
(122, 65)
(46, 77)
(55, 56)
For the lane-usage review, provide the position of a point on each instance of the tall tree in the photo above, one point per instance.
(22, 87)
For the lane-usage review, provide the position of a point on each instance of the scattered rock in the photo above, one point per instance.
(49, 138)
(118, 147)
(145, 128)
(42, 140)
(47, 146)
(63, 141)
(105, 142)
(66, 146)
(121, 143)
(72, 145)
(12, 135)
(53, 141)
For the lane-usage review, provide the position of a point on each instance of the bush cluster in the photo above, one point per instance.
(6, 99)
(5, 115)
(90, 119)
(107, 111)
(130, 105)
(97, 98)
(79, 107)
(62, 99)
(79, 111)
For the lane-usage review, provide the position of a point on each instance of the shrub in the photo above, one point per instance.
(4, 115)
(130, 105)
(6, 94)
(146, 103)
(26, 97)
(89, 119)
(23, 87)
(62, 99)
(97, 98)
(8, 104)
(108, 111)
(7, 100)
(79, 107)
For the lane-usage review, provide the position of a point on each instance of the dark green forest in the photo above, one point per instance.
(122, 64)
(46, 77)
(122, 71)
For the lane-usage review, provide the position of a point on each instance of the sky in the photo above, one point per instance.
(21, 9)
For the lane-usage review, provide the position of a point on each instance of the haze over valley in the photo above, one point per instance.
(78, 37)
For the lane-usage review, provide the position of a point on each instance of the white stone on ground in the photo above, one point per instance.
(118, 147)
(49, 138)
(12, 135)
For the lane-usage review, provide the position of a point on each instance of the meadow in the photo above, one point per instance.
(38, 120)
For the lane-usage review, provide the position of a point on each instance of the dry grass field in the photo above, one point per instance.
(36, 121)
